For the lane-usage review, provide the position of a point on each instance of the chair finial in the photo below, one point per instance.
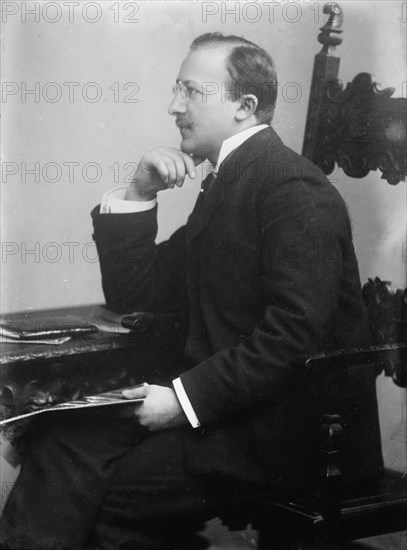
(333, 25)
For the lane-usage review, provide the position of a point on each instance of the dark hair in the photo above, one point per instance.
(251, 70)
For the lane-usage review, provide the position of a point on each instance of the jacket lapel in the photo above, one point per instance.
(208, 203)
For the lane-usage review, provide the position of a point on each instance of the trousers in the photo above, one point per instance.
(93, 481)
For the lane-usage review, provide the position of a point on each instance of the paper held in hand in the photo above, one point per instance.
(111, 398)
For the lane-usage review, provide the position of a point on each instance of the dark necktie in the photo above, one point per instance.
(212, 176)
(207, 183)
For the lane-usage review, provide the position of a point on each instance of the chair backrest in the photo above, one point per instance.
(387, 311)
(360, 128)
(357, 128)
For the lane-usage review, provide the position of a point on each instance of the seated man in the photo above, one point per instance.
(263, 272)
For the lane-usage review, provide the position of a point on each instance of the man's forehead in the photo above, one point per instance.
(205, 64)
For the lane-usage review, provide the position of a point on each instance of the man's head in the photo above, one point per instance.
(225, 85)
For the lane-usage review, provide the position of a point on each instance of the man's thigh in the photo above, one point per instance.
(69, 460)
(109, 477)
(153, 503)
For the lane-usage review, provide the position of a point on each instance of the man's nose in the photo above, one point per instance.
(177, 105)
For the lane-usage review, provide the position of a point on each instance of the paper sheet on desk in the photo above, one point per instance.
(4, 339)
(47, 330)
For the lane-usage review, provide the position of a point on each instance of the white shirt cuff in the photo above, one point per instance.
(113, 203)
(185, 403)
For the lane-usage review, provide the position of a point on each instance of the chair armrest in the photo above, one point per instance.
(331, 370)
(391, 358)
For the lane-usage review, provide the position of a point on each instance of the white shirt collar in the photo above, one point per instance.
(235, 141)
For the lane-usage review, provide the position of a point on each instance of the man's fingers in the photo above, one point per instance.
(172, 165)
(183, 164)
(172, 171)
(162, 171)
(189, 165)
(177, 169)
(189, 161)
(139, 392)
(136, 393)
(181, 169)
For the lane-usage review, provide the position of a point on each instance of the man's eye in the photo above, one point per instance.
(191, 91)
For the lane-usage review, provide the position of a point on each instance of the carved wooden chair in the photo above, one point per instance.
(360, 128)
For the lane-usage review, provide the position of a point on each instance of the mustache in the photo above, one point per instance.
(182, 123)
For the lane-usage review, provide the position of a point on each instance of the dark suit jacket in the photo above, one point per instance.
(264, 271)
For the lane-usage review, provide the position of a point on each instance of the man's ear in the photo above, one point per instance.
(247, 107)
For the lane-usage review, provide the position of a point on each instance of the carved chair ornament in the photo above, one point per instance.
(359, 128)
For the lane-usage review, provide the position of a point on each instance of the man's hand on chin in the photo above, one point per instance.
(163, 168)
(159, 410)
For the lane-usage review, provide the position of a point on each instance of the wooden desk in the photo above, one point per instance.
(34, 375)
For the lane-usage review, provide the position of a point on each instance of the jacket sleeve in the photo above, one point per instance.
(138, 274)
(305, 248)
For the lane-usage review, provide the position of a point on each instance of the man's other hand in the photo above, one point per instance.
(159, 410)
(161, 169)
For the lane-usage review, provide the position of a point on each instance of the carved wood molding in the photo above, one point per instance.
(19, 354)
(362, 128)
(387, 311)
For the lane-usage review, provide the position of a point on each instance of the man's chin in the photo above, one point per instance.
(188, 147)
(185, 145)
